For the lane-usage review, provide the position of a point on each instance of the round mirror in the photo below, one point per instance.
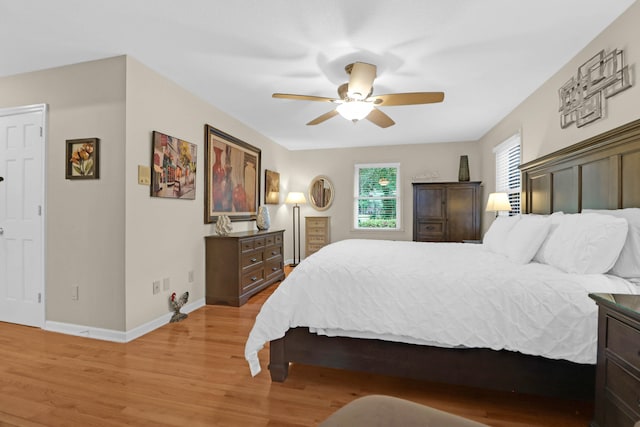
(321, 193)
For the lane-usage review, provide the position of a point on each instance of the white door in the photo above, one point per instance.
(21, 221)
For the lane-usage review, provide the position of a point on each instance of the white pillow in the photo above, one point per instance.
(495, 239)
(587, 243)
(526, 236)
(628, 263)
(556, 218)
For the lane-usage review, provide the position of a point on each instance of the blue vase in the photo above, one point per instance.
(263, 221)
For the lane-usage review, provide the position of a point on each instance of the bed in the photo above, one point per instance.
(600, 173)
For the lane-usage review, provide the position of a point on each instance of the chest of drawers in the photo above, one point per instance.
(617, 398)
(316, 233)
(242, 264)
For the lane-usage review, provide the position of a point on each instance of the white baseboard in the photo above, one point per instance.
(118, 336)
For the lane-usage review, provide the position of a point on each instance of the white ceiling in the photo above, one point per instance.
(486, 55)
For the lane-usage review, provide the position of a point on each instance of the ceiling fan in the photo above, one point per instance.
(356, 101)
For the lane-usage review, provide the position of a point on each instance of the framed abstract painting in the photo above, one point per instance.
(173, 167)
(232, 177)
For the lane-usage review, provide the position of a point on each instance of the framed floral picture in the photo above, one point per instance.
(173, 167)
(232, 177)
(83, 158)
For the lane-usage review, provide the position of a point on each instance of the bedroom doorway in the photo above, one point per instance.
(22, 131)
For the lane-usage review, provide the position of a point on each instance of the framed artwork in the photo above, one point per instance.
(173, 167)
(82, 158)
(232, 177)
(271, 187)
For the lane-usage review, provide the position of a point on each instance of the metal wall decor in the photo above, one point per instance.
(582, 97)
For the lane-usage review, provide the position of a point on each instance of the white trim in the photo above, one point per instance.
(44, 110)
(514, 139)
(118, 336)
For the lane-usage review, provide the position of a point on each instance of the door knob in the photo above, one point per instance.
(1, 231)
(1, 179)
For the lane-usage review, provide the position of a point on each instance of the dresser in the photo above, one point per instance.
(617, 394)
(316, 233)
(241, 264)
(446, 211)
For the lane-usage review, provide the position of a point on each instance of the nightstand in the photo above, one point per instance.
(617, 395)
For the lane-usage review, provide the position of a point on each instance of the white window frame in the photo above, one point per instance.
(506, 167)
(356, 197)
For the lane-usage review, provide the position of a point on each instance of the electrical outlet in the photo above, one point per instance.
(166, 283)
(190, 276)
(156, 286)
(74, 292)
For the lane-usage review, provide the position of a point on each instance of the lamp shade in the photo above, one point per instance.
(295, 197)
(498, 202)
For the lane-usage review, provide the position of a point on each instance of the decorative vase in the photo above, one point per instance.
(463, 172)
(223, 225)
(219, 181)
(263, 221)
(239, 199)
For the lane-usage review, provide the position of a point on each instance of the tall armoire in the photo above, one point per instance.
(446, 211)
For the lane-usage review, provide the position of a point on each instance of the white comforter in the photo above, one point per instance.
(446, 294)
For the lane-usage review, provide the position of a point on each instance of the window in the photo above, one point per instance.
(508, 172)
(377, 196)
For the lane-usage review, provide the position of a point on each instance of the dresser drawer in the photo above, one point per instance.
(624, 386)
(624, 341)
(252, 279)
(317, 231)
(252, 259)
(431, 228)
(251, 244)
(616, 416)
(316, 222)
(314, 247)
(273, 251)
(316, 240)
(273, 267)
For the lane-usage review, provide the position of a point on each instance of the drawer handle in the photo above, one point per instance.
(431, 227)
(274, 252)
(254, 259)
(276, 269)
(254, 278)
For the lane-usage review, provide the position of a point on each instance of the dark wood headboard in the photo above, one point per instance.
(602, 172)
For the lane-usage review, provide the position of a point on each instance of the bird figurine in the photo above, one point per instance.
(176, 305)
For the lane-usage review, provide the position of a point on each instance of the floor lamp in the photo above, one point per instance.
(295, 198)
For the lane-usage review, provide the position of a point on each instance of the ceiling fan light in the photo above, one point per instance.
(355, 110)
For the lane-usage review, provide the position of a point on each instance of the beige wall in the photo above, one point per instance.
(84, 220)
(164, 237)
(108, 236)
(538, 118)
(338, 165)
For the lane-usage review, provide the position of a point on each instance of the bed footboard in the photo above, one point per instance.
(476, 367)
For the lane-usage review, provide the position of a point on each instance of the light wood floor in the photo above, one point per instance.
(193, 373)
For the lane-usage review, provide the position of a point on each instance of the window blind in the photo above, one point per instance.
(508, 172)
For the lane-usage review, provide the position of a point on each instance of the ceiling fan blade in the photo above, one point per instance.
(360, 79)
(303, 97)
(409, 98)
(322, 118)
(379, 118)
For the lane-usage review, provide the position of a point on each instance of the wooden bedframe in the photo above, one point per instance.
(601, 172)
